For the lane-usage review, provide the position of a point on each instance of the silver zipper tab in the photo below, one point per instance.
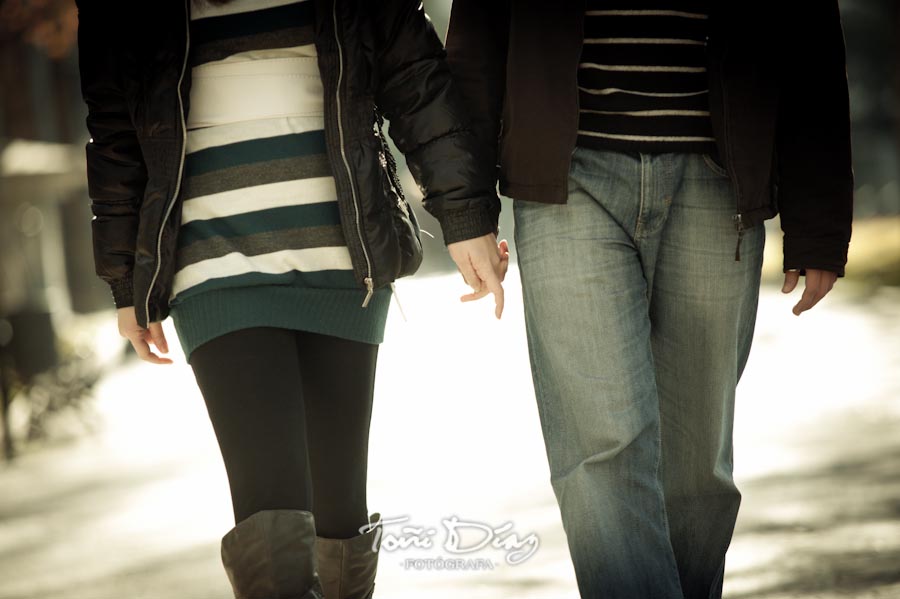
(739, 225)
(370, 291)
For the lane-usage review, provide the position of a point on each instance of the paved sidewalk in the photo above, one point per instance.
(137, 510)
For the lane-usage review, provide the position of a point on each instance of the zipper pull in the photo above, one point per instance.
(401, 204)
(370, 290)
(399, 305)
(739, 225)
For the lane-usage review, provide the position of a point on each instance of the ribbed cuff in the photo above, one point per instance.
(123, 292)
(819, 254)
(468, 223)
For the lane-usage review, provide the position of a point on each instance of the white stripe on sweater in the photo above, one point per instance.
(259, 197)
(648, 113)
(306, 260)
(211, 137)
(202, 10)
(645, 13)
(231, 91)
(644, 137)
(642, 40)
(615, 90)
(640, 68)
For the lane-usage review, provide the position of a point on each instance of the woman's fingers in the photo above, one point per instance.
(487, 267)
(158, 337)
(142, 348)
(140, 338)
(469, 275)
(483, 263)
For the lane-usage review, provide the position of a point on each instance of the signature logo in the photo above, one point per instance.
(459, 537)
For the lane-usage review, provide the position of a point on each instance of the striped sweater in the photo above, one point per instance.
(261, 242)
(643, 85)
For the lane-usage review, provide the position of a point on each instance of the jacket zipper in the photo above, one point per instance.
(370, 286)
(737, 218)
(577, 108)
(171, 204)
(739, 225)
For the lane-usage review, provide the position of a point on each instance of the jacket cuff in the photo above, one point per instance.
(123, 292)
(468, 223)
(820, 254)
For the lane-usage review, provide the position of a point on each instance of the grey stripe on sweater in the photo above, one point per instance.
(298, 238)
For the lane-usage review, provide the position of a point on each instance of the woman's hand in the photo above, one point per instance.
(141, 338)
(483, 263)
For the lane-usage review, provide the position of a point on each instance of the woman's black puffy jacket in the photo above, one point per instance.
(375, 58)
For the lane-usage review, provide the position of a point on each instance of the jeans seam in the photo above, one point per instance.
(639, 225)
(715, 168)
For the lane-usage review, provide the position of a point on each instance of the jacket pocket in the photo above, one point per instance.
(405, 223)
(714, 166)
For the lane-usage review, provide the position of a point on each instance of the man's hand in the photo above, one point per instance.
(483, 263)
(818, 284)
(141, 338)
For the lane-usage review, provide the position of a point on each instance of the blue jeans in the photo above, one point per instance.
(639, 324)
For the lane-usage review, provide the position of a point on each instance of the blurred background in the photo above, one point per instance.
(110, 479)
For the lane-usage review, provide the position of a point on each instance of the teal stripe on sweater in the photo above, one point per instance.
(248, 223)
(321, 279)
(255, 150)
(222, 27)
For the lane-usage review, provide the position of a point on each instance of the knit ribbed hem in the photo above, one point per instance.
(335, 312)
(646, 147)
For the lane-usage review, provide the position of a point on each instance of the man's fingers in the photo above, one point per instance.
(818, 284)
(791, 278)
(475, 295)
(811, 294)
(504, 267)
(503, 249)
(493, 284)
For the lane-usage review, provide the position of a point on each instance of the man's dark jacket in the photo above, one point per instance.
(778, 100)
(136, 82)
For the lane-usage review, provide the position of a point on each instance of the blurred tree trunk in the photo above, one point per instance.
(896, 39)
(5, 400)
(18, 113)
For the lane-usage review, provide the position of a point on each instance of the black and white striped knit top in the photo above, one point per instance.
(642, 79)
(261, 242)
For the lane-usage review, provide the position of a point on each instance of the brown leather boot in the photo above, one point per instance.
(347, 566)
(271, 555)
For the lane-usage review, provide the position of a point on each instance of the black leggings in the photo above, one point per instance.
(291, 413)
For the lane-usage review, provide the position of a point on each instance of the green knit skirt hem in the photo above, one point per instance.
(335, 312)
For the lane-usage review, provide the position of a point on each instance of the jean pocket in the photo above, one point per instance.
(714, 166)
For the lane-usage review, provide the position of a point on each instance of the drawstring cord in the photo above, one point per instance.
(397, 299)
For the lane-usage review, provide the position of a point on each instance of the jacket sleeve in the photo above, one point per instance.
(477, 43)
(116, 173)
(430, 125)
(815, 175)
